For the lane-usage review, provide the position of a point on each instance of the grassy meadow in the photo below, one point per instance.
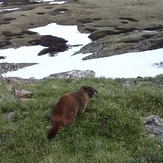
(110, 130)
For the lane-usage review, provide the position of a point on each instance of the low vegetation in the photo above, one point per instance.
(110, 130)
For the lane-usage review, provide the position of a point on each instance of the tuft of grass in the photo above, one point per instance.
(110, 130)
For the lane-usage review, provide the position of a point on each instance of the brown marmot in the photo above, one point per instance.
(69, 105)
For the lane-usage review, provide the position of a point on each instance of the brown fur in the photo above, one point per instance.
(69, 105)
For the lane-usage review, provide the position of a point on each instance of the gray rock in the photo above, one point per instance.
(22, 93)
(154, 126)
(158, 65)
(73, 74)
(5, 67)
(106, 44)
(8, 116)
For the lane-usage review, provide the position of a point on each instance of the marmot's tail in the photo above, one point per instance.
(54, 130)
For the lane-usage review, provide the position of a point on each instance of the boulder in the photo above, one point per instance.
(48, 41)
(5, 67)
(54, 44)
(22, 93)
(153, 125)
(2, 57)
(76, 74)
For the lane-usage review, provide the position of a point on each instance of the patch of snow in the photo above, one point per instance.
(9, 9)
(57, 2)
(120, 66)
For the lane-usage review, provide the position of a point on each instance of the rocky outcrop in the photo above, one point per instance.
(109, 43)
(54, 44)
(5, 67)
(76, 74)
(153, 125)
(2, 57)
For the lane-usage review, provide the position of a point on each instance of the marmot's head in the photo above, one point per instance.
(89, 90)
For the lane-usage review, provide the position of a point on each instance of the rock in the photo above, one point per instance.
(73, 74)
(5, 67)
(2, 57)
(48, 41)
(158, 65)
(153, 125)
(155, 44)
(52, 50)
(100, 34)
(9, 115)
(133, 41)
(22, 93)
(54, 44)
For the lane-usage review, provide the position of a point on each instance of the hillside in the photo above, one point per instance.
(110, 130)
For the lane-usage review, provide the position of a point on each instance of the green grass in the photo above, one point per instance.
(110, 130)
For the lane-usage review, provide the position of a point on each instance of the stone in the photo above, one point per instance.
(153, 125)
(54, 44)
(22, 93)
(2, 57)
(76, 74)
(8, 116)
(5, 67)
(48, 41)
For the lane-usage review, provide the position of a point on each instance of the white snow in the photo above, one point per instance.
(50, 2)
(54, 2)
(9, 9)
(119, 66)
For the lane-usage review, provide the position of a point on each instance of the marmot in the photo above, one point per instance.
(69, 105)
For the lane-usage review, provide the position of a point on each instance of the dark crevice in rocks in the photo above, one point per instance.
(129, 19)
